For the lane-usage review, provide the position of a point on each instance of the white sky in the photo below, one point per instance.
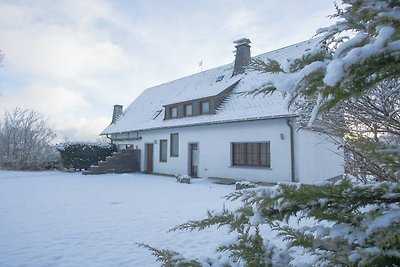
(72, 60)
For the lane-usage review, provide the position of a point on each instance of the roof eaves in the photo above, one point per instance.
(209, 123)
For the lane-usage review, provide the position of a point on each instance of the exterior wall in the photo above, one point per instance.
(214, 142)
(317, 157)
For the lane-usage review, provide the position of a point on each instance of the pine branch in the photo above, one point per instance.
(265, 89)
(269, 66)
(295, 237)
(300, 63)
(249, 248)
(226, 218)
(170, 258)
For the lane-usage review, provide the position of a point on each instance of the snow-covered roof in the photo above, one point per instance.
(139, 115)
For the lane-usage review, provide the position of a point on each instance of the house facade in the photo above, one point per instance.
(207, 125)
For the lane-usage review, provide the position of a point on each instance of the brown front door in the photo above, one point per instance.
(194, 160)
(149, 158)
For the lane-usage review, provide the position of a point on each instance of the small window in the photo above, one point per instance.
(156, 114)
(220, 78)
(251, 154)
(174, 146)
(174, 112)
(205, 107)
(163, 150)
(189, 110)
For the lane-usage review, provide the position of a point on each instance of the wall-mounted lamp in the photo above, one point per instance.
(282, 136)
(155, 142)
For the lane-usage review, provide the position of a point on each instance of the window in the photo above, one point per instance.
(174, 112)
(174, 146)
(205, 107)
(189, 110)
(251, 154)
(163, 150)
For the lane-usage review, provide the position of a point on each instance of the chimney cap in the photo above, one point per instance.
(242, 41)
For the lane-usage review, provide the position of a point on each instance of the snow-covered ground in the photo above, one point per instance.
(63, 219)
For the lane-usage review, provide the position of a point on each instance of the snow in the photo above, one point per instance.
(62, 219)
(345, 46)
(357, 53)
(287, 82)
(394, 46)
(394, 14)
(67, 219)
(385, 33)
(385, 220)
(334, 72)
(315, 110)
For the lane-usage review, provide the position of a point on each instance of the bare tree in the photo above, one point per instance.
(25, 140)
(370, 126)
(1, 59)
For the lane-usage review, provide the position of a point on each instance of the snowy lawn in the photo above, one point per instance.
(63, 219)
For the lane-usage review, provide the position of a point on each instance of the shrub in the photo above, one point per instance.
(82, 155)
(183, 179)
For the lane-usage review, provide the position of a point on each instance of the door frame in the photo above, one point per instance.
(190, 159)
(148, 165)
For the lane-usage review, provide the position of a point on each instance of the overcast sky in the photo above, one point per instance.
(73, 60)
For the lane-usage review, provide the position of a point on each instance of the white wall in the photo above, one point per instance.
(214, 142)
(317, 157)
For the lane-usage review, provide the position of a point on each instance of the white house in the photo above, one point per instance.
(204, 125)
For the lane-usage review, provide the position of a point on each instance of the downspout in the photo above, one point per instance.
(108, 137)
(292, 158)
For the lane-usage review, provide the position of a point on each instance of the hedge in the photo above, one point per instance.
(82, 155)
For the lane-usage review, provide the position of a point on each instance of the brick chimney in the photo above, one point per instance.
(243, 56)
(117, 112)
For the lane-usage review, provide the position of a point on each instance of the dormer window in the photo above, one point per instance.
(189, 110)
(205, 107)
(174, 112)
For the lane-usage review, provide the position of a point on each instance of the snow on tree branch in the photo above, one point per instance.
(355, 54)
(25, 141)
